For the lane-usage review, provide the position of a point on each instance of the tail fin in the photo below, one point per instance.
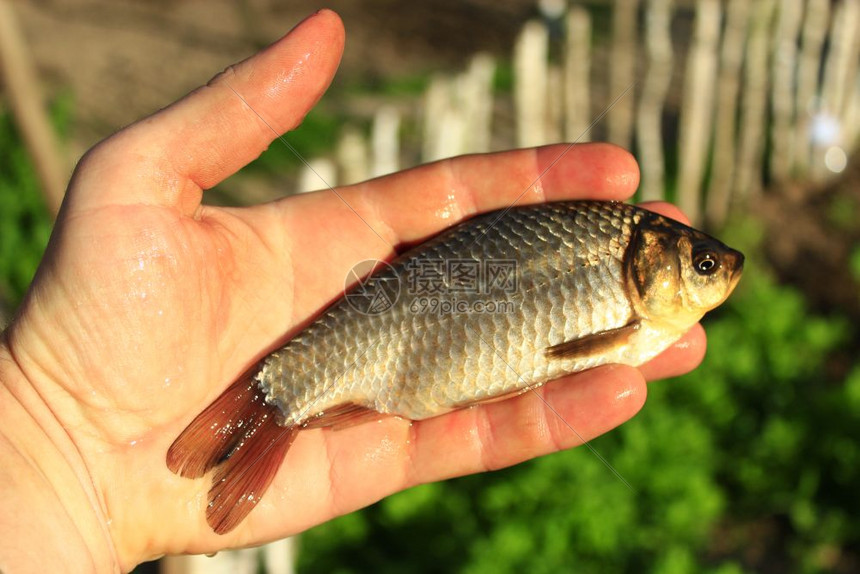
(239, 435)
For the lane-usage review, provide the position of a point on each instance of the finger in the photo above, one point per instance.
(682, 357)
(562, 414)
(214, 131)
(666, 209)
(412, 205)
(394, 454)
(461, 187)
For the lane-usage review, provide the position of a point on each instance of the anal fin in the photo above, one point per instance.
(593, 344)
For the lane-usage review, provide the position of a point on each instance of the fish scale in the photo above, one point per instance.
(570, 265)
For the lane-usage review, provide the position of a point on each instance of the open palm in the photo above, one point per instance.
(148, 304)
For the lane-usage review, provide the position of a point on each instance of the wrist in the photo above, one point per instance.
(50, 518)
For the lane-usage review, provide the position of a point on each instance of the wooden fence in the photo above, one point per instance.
(718, 99)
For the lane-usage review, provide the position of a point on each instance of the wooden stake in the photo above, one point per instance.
(782, 92)
(477, 95)
(697, 108)
(754, 103)
(622, 71)
(385, 141)
(444, 123)
(18, 77)
(649, 121)
(352, 156)
(555, 103)
(318, 173)
(577, 81)
(840, 69)
(530, 84)
(814, 31)
(725, 130)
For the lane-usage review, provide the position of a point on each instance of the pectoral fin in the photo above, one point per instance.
(593, 344)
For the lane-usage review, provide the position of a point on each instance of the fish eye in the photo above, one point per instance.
(705, 262)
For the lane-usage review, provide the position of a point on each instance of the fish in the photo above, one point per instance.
(490, 308)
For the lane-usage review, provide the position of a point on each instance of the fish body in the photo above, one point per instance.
(494, 306)
(417, 361)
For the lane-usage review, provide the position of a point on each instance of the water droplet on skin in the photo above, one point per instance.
(444, 213)
(451, 208)
(682, 345)
(212, 555)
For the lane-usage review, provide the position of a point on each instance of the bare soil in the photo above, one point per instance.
(124, 59)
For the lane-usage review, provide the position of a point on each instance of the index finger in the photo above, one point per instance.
(462, 187)
(414, 204)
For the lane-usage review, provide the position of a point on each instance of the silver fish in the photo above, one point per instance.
(492, 307)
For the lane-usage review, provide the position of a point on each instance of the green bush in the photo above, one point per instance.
(25, 223)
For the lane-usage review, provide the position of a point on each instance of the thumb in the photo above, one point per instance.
(169, 158)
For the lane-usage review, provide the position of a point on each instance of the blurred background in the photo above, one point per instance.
(744, 112)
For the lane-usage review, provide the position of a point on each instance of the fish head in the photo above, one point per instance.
(676, 273)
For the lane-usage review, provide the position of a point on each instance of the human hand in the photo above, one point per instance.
(148, 304)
